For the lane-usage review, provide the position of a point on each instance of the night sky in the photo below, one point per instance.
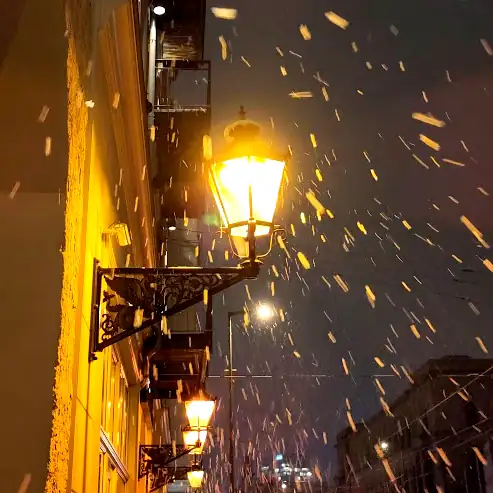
(425, 57)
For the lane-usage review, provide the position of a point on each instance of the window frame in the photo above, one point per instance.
(106, 447)
(114, 456)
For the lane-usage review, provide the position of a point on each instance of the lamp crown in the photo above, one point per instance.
(242, 130)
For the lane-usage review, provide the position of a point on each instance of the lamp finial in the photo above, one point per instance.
(242, 113)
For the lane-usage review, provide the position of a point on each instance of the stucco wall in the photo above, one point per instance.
(78, 34)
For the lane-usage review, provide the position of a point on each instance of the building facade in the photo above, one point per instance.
(434, 438)
(81, 186)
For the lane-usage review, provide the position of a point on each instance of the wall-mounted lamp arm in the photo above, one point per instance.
(128, 300)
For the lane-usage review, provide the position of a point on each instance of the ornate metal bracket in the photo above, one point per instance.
(154, 464)
(136, 298)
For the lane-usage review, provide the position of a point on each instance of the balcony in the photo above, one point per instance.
(179, 367)
(182, 116)
(182, 29)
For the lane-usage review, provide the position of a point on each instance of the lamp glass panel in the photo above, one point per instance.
(194, 437)
(231, 182)
(199, 412)
(195, 478)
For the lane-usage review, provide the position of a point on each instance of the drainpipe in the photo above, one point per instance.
(150, 346)
(151, 74)
(144, 17)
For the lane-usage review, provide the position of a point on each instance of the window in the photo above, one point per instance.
(113, 473)
(114, 419)
(110, 480)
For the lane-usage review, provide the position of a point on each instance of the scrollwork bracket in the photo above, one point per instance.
(128, 300)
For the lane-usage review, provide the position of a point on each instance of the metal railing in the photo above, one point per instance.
(167, 73)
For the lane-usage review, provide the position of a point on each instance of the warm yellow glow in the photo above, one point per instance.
(265, 311)
(199, 412)
(195, 437)
(231, 182)
(195, 478)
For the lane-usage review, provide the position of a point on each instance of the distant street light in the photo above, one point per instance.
(171, 223)
(264, 312)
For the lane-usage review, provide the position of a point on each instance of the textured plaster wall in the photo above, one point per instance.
(78, 33)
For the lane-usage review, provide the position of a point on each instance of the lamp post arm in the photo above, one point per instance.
(154, 464)
(159, 456)
(128, 300)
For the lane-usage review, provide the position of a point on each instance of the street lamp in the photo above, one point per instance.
(264, 312)
(246, 183)
(155, 461)
(195, 477)
(199, 410)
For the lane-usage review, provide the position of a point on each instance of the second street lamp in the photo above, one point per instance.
(195, 477)
(156, 461)
(246, 183)
(199, 411)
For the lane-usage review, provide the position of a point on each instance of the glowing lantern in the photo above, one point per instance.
(246, 181)
(199, 412)
(195, 478)
(195, 438)
(246, 189)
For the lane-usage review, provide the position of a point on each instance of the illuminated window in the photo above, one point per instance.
(113, 473)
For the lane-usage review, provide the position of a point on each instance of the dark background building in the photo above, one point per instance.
(434, 436)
